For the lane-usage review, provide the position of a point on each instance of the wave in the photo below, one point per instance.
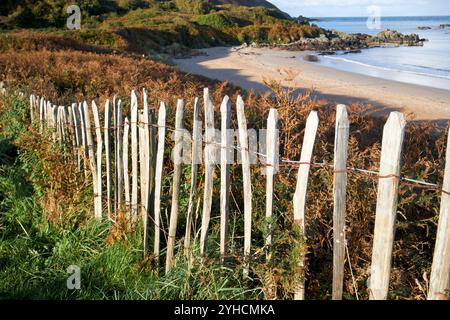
(391, 69)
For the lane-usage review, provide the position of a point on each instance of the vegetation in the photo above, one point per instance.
(46, 209)
(46, 216)
(155, 27)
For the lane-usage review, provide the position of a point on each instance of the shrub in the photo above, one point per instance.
(193, 6)
(218, 21)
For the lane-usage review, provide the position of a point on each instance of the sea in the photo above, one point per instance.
(428, 65)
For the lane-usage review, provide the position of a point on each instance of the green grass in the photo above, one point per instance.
(36, 251)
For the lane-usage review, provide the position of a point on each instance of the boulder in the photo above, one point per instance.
(311, 58)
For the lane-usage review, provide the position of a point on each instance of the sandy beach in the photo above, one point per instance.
(249, 67)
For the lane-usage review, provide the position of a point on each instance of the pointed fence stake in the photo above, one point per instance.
(158, 177)
(272, 144)
(339, 196)
(386, 210)
(247, 186)
(210, 150)
(177, 159)
(226, 158)
(440, 270)
(300, 192)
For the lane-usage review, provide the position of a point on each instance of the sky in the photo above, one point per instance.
(358, 8)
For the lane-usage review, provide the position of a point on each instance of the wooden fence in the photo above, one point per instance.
(135, 143)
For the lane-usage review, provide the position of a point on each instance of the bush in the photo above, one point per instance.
(218, 21)
(193, 6)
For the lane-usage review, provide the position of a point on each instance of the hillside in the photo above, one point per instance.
(153, 28)
(249, 3)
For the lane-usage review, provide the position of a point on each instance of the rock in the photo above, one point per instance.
(311, 58)
(327, 53)
(423, 28)
(394, 37)
(334, 40)
(352, 51)
(443, 26)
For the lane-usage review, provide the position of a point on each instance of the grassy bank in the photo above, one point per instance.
(40, 238)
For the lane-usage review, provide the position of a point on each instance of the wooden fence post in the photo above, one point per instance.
(54, 122)
(92, 162)
(71, 129)
(149, 173)
(158, 176)
(440, 270)
(386, 210)
(272, 153)
(339, 195)
(32, 99)
(77, 133)
(209, 170)
(300, 192)
(177, 159)
(195, 161)
(142, 169)
(107, 135)
(98, 133)
(83, 138)
(126, 173)
(243, 142)
(226, 154)
(119, 155)
(41, 115)
(134, 157)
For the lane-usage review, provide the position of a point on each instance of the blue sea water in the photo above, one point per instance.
(428, 65)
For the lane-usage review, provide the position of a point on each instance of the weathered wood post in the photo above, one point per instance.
(126, 172)
(83, 139)
(339, 195)
(300, 192)
(98, 133)
(386, 210)
(226, 157)
(195, 161)
(177, 159)
(134, 158)
(247, 186)
(92, 161)
(148, 145)
(158, 176)
(272, 153)
(440, 270)
(107, 135)
(209, 170)
(119, 155)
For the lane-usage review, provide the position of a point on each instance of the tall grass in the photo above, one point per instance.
(59, 203)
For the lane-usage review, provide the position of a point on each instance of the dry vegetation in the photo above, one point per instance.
(65, 76)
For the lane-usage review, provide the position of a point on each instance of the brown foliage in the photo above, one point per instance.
(63, 76)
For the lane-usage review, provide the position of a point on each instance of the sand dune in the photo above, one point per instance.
(249, 67)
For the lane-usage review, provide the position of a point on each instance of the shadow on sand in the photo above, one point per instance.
(374, 108)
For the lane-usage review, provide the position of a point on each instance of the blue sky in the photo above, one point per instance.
(346, 8)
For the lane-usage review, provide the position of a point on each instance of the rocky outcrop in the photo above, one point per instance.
(395, 37)
(424, 28)
(443, 26)
(350, 43)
